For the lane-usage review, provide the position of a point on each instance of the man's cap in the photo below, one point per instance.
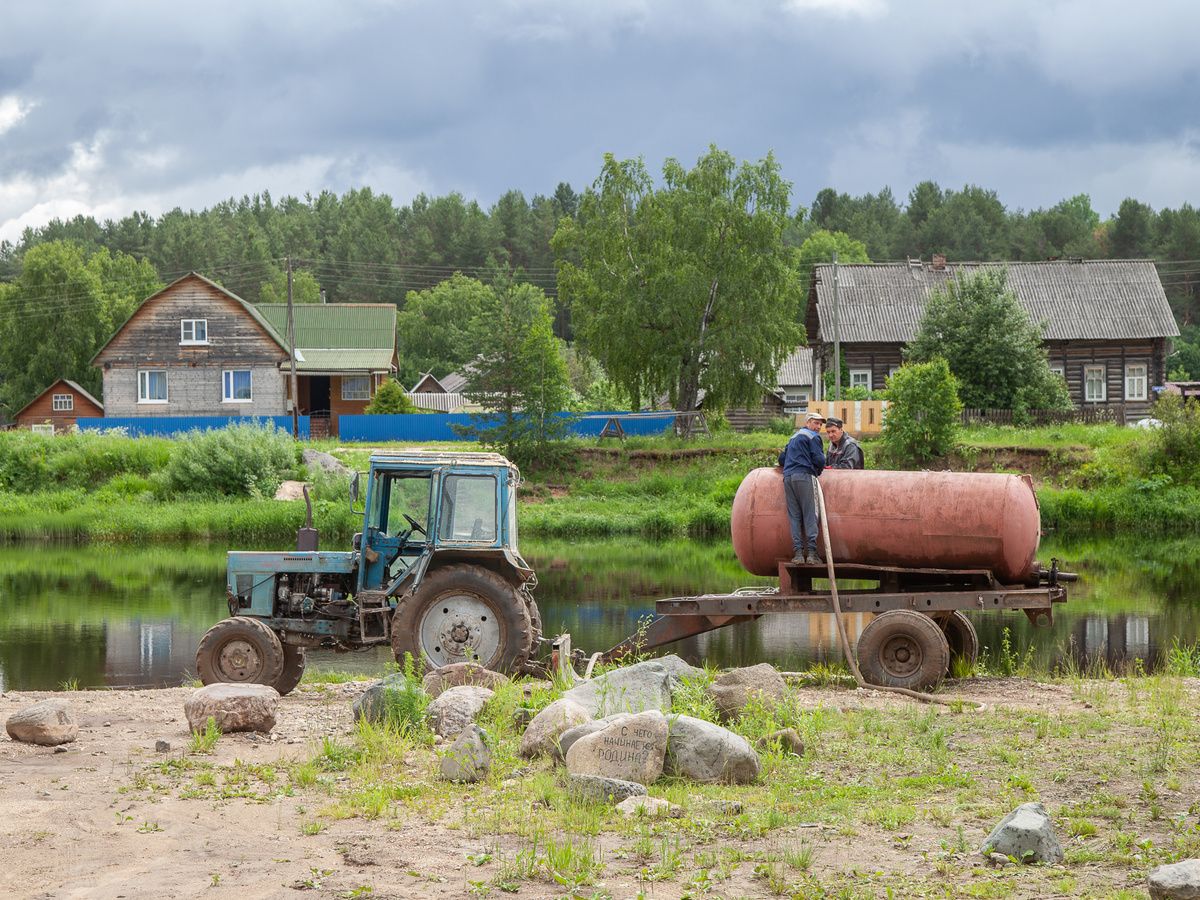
(813, 415)
(834, 421)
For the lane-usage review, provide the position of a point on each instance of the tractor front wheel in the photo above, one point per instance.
(464, 613)
(240, 650)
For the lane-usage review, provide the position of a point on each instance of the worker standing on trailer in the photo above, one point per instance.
(844, 451)
(802, 461)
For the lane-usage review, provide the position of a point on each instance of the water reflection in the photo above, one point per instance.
(123, 617)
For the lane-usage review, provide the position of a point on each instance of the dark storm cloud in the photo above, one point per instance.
(107, 108)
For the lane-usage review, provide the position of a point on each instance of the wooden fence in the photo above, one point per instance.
(1089, 415)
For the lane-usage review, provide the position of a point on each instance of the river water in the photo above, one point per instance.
(132, 617)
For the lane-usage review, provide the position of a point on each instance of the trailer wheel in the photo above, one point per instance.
(902, 648)
(240, 650)
(464, 614)
(294, 659)
(963, 641)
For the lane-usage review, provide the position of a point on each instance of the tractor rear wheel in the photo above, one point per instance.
(464, 613)
(240, 650)
(902, 648)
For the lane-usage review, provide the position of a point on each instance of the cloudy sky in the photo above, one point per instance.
(107, 108)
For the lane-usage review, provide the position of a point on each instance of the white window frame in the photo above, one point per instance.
(188, 329)
(364, 394)
(793, 398)
(228, 387)
(1136, 375)
(1059, 371)
(144, 385)
(42, 428)
(63, 402)
(1089, 373)
(860, 373)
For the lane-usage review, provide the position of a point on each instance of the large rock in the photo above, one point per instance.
(603, 790)
(787, 739)
(233, 707)
(1177, 881)
(568, 738)
(632, 689)
(632, 749)
(316, 459)
(733, 691)
(1027, 835)
(457, 708)
(372, 704)
(47, 722)
(459, 674)
(542, 736)
(468, 758)
(679, 671)
(702, 751)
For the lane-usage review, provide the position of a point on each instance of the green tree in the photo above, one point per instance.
(688, 288)
(390, 399)
(440, 329)
(59, 311)
(980, 328)
(921, 421)
(304, 288)
(519, 378)
(821, 245)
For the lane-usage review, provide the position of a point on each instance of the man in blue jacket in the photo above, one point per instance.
(802, 460)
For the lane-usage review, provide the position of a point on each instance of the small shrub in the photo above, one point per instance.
(240, 460)
(921, 422)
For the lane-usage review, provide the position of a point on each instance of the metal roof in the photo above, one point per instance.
(797, 369)
(1092, 300)
(446, 403)
(336, 326)
(312, 361)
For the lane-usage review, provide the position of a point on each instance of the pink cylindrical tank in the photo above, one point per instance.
(942, 520)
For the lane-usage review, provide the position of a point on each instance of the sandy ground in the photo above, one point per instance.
(96, 820)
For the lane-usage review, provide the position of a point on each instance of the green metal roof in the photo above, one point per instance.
(310, 360)
(336, 326)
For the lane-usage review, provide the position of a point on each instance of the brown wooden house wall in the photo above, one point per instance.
(41, 410)
(743, 419)
(151, 340)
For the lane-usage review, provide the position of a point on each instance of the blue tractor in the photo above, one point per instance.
(435, 572)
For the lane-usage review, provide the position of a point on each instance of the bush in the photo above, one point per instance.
(240, 460)
(1174, 447)
(921, 421)
(390, 399)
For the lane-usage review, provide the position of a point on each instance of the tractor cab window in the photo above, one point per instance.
(407, 498)
(468, 509)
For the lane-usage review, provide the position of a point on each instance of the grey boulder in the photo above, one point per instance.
(542, 735)
(631, 748)
(633, 689)
(457, 674)
(47, 723)
(457, 708)
(603, 790)
(372, 704)
(233, 707)
(703, 751)
(1176, 881)
(468, 758)
(1027, 835)
(734, 691)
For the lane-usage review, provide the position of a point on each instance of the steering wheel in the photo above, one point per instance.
(417, 526)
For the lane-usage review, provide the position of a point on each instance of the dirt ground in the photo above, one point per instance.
(80, 821)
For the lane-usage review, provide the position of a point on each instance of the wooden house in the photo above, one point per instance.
(430, 384)
(788, 396)
(57, 407)
(344, 352)
(194, 349)
(1109, 330)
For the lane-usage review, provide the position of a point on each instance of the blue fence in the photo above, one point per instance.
(373, 429)
(169, 426)
(436, 427)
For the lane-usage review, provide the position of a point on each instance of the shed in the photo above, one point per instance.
(58, 406)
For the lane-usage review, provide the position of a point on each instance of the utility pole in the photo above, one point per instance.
(837, 336)
(292, 354)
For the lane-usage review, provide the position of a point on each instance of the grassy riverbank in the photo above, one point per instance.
(90, 487)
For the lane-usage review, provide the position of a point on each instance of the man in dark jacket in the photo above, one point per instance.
(803, 460)
(844, 451)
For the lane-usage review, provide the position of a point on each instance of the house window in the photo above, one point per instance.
(1135, 382)
(63, 403)
(44, 428)
(152, 386)
(1059, 371)
(237, 386)
(193, 331)
(795, 398)
(860, 378)
(1095, 389)
(356, 387)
